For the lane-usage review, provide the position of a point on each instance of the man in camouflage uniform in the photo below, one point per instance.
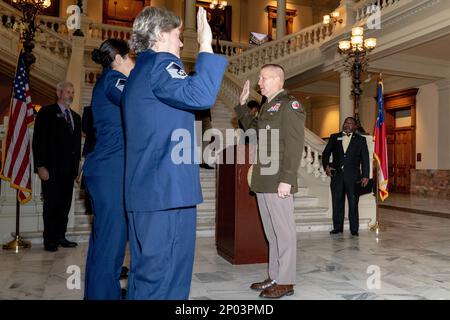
(274, 190)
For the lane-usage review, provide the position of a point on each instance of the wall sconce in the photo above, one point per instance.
(332, 17)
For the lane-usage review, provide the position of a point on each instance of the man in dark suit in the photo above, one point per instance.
(350, 155)
(57, 151)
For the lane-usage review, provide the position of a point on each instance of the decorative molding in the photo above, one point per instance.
(404, 99)
(443, 84)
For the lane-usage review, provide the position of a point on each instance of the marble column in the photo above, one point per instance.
(346, 106)
(75, 71)
(443, 147)
(281, 18)
(348, 12)
(189, 19)
(190, 48)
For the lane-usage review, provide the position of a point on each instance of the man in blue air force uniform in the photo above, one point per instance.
(162, 184)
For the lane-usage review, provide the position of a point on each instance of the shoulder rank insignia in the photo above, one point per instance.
(295, 105)
(120, 84)
(176, 71)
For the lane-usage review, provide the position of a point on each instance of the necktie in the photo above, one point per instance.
(68, 120)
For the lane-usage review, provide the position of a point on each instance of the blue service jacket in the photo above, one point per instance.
(160, 98)
(108, 155)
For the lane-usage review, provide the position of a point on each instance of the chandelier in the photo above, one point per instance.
(357, 44)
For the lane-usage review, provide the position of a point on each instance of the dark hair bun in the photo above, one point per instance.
(107, 52)
(96, 56)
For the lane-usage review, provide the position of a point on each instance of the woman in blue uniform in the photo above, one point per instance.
(161, 192)
(104, 174)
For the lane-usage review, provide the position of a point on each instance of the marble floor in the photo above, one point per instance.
(417, 204)
(409, 260)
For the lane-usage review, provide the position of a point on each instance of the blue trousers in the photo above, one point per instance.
(108, 238)
(162, 247)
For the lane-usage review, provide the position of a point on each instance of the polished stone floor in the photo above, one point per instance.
(418, 204)
(412, 256)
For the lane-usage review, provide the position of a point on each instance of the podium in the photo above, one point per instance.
(240, 236)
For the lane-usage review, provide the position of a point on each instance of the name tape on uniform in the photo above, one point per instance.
(176, 71)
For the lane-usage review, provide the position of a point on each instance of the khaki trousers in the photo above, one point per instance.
(277, 216)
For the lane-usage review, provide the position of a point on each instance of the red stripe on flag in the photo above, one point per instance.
(18, 146)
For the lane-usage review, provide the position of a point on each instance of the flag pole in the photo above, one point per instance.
(377, 226)
(17, 243)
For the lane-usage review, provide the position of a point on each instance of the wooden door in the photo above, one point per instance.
(403, 160)
(390, 141)
(401, 141)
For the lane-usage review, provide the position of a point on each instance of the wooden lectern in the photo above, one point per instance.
(240, 236)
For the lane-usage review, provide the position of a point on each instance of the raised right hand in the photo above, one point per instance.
(204, 33)
(245, 93)
(43, 173)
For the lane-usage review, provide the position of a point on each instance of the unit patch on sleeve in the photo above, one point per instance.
(176, 71)
(295, 105)
(120, 84)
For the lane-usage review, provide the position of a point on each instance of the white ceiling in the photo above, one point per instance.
(438, 49)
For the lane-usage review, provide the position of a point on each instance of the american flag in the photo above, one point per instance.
(16, 153)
